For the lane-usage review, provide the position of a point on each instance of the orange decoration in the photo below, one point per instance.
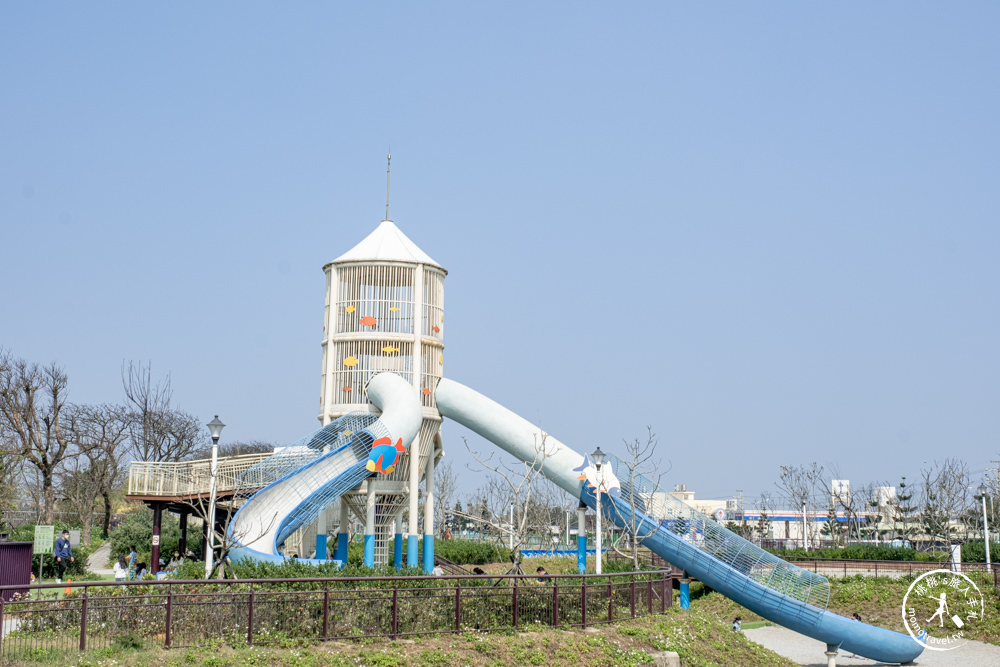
(368, 321)
(427, 392)
(436, 328)
(347, 388)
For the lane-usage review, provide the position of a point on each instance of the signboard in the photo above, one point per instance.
(45, 538)
(74, 538)
(156, 540)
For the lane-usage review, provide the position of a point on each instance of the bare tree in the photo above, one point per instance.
(445, 484)
(101, 433)
(32, 402)
(944, 497)
(640, 462)
(510, 490)
(159, 432)
(799, 486)
(235, 448)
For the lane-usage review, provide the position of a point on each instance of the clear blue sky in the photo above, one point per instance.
(767, 230)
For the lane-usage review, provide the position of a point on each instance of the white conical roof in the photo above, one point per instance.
(387, 244)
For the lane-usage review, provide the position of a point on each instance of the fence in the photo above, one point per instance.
(837, 567)
(262, 611)
(190, 478)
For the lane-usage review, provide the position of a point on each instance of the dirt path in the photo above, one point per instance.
(97, 561)
(809, 652)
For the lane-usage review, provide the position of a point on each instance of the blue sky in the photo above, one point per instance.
(768, 231)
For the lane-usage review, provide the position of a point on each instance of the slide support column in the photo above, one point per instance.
(685, 591)
(321, 535)
(411, 523)
(397, 542)
(370, 527)
(581, 538)
(429, 513)
(345, 520)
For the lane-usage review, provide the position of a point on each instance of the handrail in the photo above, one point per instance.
(190, 478)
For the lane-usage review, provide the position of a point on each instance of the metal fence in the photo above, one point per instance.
(838, 567)
(189, 478)
(262, 611)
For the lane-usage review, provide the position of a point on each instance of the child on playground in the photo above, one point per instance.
(133, 560)
(121, 568)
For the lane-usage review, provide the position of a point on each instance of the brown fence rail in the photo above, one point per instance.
(842, 567)
(262, 611)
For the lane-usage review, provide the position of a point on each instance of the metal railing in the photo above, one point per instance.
(843, 567)
(261, 611)
(190, 478)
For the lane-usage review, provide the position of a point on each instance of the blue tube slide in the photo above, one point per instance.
(758, 581)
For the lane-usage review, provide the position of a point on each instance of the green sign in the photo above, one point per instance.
(45, 537)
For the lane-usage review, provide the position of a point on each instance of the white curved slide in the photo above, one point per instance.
(297, 498)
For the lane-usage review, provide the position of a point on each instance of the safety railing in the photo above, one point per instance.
(190, 478)
(261, 611)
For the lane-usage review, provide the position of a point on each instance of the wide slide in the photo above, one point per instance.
(302, 480)
(765, 584)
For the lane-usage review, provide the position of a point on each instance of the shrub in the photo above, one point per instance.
(975, 552)
(137, 530)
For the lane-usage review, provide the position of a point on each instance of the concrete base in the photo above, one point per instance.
(666, 659)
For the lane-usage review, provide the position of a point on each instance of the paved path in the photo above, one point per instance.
(809, 652)
(98, 559)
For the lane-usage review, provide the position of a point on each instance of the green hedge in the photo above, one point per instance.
(466, 552)
(975, 552)
(862, 552)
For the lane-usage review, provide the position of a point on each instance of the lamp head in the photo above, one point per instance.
(598, 457)
(983, 490)
(215, 427)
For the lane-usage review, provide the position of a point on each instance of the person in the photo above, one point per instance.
(175, 561)
(115, 521)
(737, 624)
(437, 571)
(856, 617)
(140, 570)
(64, 555)
(543, 576)
(133, 560)
(478, 571)
(121, 568)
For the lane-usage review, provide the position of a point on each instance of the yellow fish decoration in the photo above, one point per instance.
(348, 433)
(440, 360)
(393, 309)
(389, 349)
(349, 309)
(351, 361)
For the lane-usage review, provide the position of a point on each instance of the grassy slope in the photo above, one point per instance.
(700, 636)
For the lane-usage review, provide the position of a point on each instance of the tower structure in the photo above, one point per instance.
(384, 312)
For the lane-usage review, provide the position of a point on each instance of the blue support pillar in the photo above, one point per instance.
(685, 593)
(397, 551)
(369, 550)
(412, 551)
(428, 554)
(370, 527)
(341, 554)
(342, 535)
(321, 546)
(581, 539)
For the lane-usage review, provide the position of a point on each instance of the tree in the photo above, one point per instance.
(158, 431)
(902, 511)
(234, 448)
(764, 519)
(638, 464)
(799, 485)
(511, 489)
(32, 404)
(944, 497)
(445, 484)
(101, 432)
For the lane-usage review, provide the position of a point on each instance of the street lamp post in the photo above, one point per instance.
(805, 545)
(986, 526)
(215, 427)
(598, 457)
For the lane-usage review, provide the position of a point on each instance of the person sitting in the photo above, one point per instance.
(140, 570)
(543, 576)
(737, 624)
(121, 568)
(478, 571)
(175, 562)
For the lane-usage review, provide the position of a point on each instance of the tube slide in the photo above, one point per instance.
(312, 474)
(761, 582)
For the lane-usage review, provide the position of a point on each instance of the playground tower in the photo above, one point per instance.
(384, 312)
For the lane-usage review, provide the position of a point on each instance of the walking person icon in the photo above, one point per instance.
(941, 610)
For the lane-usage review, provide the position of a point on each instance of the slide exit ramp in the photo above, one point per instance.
(302, 480)
(778, 591)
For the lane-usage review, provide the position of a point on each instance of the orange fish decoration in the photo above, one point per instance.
(384, 451)
(368, 321)
(347, 388)
(426, 391)
(436, 328)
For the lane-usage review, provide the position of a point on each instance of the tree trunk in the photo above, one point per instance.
(86, 520)
(106, 528)
(49, 496)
